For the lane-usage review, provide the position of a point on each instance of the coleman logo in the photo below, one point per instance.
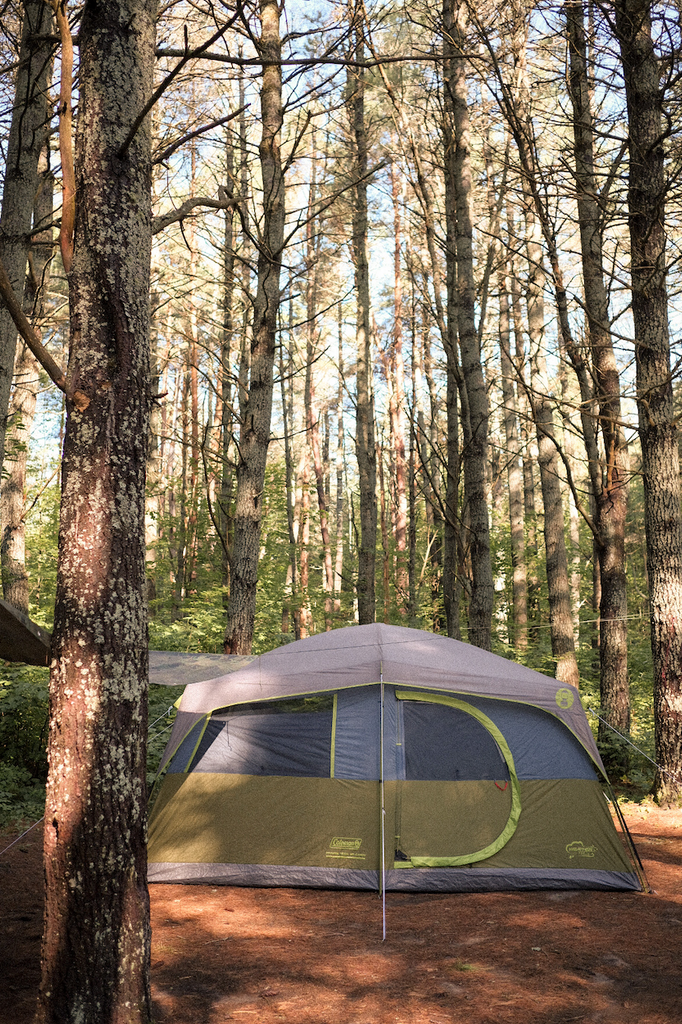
(578, 849)
(564, 698)
(348, 849)
(345, 844)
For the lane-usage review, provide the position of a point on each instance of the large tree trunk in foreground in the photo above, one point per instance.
(656, 414)
(96, 939)
(254, 434)
(26, 138)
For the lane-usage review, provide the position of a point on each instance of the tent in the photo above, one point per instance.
(381, 757)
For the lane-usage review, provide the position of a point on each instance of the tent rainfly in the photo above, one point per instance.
(380, 757)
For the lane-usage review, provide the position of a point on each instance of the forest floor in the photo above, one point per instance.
(314, 957)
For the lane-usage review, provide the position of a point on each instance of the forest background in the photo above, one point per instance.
(455, 415)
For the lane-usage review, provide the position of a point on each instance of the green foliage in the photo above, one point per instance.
(22, 798)
(23, 737)
(24, 717)
(23, 734)
(42, 530)
(162, 713)
(200, 628)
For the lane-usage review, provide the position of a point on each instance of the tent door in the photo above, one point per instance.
(459, 801)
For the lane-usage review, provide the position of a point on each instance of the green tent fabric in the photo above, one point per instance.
(379, 756)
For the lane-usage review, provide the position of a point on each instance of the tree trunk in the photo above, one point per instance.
(95, 956)
(364, 418)
(338, 557)
(561, 624)
(458, 200)
(396, 404)
(453, 568)
(385, 547)
(15, 583)
(254, 435)
(656, 416)
(311, 410)
(226, 394)
(609, 481)
(26, 139)
(519, 630)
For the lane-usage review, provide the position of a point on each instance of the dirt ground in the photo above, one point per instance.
(313, 957)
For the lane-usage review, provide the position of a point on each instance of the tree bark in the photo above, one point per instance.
(27, 136)
(647, 187)
(340, 465)
(15, 582)
(474, 409)
(561, 624)
(364, 416)
(226, 379)
(311, 410)
(609, 480)
(396, 404)
(254, 434)
(95, 956)
(519, 630)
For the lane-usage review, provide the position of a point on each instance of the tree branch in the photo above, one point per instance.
(193, 135)
(310, 62)
(65, 137)
(226, 202)
(30, 336)
(186, 55)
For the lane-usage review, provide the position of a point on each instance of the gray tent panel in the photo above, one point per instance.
(362, 655)
(183, 742)
(509, 880)
(265, 875)
(542, 747)
(445, 743)
(264, 742)
(358, 718)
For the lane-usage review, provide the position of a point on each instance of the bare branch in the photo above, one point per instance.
(226, 202)
(193, 135)
(311, 62)
(186, 55)
(65, 136)
(30, 336)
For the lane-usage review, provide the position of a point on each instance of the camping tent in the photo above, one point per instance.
(379, 756)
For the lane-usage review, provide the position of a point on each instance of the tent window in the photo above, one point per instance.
(443, 743)
(289, 737)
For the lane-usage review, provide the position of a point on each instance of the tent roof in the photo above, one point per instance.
(362, 655)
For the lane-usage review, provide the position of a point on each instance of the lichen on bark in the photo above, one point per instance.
(96, 938)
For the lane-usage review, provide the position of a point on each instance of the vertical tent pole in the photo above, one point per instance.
(383, 814)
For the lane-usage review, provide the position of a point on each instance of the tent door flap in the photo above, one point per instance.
(459, 802)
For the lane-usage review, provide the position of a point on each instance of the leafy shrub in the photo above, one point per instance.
(24, 718)
(22, 797)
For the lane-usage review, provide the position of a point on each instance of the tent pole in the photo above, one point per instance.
(383, 815)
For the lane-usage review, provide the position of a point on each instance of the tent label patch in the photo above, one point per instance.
(578, 849)
(340, 846)
(564, 698)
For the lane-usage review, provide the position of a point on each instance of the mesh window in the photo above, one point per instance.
(443, 743)
(289, 737)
